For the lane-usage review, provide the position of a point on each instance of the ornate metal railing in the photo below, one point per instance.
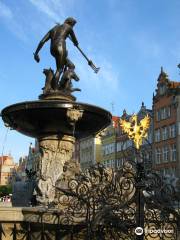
(112, 204)
(102, 203)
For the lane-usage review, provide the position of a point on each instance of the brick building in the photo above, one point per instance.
(166, 126)
(7, 170)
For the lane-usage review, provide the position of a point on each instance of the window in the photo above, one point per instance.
(157, 135)
(108, 149)
(158, 115)
(164, 133)
(173, 171)
(149, 138)
(158, 155)
(124, 146)
(147, 156)
(104, 150)
(163, 113)
(166, 171)
(113, 163)
(168, 112)
(119, 146)
(106, 163)
(129, 143)
(173, 152)
(120, 162)
(112, 147)
(178, 128)
(172, 131)
(165, 154)
(162, 89)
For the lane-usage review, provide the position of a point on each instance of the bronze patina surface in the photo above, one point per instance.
(43, 118)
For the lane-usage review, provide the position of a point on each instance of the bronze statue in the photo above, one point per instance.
(58, 35)
(66, 80)
(50, 83)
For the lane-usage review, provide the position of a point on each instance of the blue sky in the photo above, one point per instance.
(129, 39)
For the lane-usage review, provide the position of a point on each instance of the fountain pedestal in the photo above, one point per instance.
(56, 123)
(55, 151)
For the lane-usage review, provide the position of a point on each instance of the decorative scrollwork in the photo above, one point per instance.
(106, 202)
(103, 203)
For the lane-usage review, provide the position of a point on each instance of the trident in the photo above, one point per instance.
(90, 63)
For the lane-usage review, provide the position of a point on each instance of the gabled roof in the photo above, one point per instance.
(173, 85)
(163, 77)
(169, 86)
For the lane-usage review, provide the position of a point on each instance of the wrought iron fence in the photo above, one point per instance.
(101, 204)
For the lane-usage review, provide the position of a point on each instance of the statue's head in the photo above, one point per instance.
(71, 21)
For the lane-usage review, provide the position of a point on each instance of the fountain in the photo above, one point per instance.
(56, 120)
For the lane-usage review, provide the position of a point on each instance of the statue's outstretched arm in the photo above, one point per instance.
(73, 38)
(40, 45)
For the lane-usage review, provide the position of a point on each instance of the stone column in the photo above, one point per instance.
(55, 163)
(55, 151)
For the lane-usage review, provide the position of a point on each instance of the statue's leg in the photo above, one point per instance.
(70, 64)
(59, 70)
(59, 53)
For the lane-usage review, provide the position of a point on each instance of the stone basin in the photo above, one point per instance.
(49, 117)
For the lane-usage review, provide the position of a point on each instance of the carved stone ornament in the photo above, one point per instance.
(54, 153)
(74, 115)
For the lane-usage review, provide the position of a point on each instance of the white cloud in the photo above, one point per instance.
(104, 84)
(49, 12)
(5, 11)
(47, 7)
(109, 75)
(11, 22)
(56, 10)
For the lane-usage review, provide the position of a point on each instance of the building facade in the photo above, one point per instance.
(118, 148)
(109, 143)
(166, 121)
(20, 171)
(7, 170)
(33, 157)
(124, 144)
(89, 151)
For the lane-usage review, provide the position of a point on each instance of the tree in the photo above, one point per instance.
(5, 190)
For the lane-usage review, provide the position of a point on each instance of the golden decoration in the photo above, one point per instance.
(134, 131)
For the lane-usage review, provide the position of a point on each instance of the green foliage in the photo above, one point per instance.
(5, 190)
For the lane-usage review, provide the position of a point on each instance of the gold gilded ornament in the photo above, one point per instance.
(136, 131)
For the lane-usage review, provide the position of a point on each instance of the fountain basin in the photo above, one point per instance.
(49, 117)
